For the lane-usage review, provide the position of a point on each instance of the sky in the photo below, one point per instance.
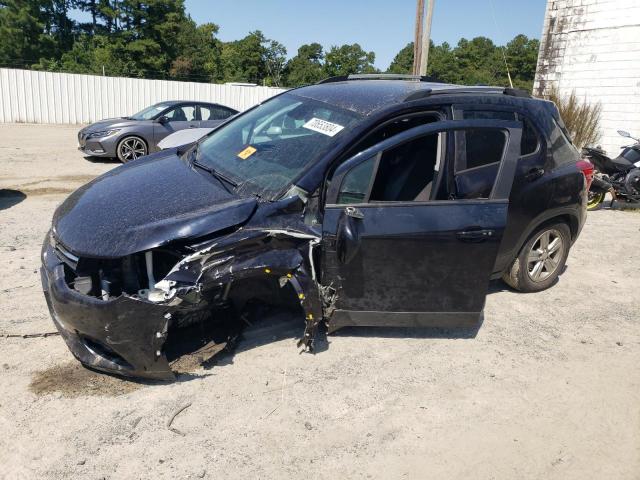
(381, 26)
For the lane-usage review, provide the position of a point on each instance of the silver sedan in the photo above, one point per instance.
(128, 138)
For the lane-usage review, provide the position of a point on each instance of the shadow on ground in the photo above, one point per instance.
(9, 198)
(101, 160)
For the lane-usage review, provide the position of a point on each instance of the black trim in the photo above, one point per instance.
(351, 318)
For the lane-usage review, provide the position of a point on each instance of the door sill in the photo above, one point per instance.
(350, 318)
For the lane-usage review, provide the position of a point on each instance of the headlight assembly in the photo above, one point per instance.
(103, 133)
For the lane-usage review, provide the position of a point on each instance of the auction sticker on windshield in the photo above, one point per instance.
(247, 152)
(324, 127)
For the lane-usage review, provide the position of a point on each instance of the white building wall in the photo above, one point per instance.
(50, 97)
(593, 47)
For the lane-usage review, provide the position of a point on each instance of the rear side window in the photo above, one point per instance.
(477, 161)
(530, 140)
(214, 113)
(412, 171)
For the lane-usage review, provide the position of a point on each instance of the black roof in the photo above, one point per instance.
(367, 96)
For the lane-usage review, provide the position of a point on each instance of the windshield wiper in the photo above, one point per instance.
(223, 179)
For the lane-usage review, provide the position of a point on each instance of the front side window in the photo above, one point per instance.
(150, 112)
(405, 173)
(265, 149)
(184, 113)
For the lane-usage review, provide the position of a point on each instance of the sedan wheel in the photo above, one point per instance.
(131, 148)
(541, 259)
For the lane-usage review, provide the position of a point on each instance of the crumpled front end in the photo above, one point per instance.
(120, 315)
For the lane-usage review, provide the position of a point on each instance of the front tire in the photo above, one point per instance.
(541, 259)
(131, 148)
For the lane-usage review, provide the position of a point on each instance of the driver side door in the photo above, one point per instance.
(411, 233)
(177, 118)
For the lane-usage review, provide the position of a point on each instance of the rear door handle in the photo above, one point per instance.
(475, 235)
(534, 174)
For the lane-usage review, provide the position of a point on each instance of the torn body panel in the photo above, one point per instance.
(120, 315)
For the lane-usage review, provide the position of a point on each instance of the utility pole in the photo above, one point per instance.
(417, 37)
(426, 39)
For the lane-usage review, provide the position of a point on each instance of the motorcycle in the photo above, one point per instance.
(619, 176)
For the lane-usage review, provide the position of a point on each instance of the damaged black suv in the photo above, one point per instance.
(360, 201)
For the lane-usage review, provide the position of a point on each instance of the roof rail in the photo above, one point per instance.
(517, 92)
(454, 89)
(376, 76)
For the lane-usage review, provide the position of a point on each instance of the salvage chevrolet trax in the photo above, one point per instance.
(358, 201)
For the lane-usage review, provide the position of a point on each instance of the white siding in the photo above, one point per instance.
(593, 47)
(49, 97)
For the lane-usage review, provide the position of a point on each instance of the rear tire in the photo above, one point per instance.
(541, 259)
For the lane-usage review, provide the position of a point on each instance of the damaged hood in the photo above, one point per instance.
(145, 204)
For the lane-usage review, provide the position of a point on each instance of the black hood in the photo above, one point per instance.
(145, 204)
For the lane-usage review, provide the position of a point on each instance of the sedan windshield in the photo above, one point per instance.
(264, 150)
(150, 112)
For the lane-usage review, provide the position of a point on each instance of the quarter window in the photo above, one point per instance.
(355, 185)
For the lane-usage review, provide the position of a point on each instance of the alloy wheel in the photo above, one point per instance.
(545, 255)
(131, 148)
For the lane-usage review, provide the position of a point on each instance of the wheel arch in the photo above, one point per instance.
(134, 134)
(568, 216)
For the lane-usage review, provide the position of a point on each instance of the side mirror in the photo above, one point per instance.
(162, 120)
(625, 134)
(348, 234)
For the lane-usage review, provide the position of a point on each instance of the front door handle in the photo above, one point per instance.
(475, 235)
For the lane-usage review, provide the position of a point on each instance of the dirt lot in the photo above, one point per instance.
(548, 387)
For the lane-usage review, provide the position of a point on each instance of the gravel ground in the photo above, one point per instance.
(548, 387)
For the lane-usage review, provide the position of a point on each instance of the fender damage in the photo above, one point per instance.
(125, 315)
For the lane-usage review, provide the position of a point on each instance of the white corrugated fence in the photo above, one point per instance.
(50, 97)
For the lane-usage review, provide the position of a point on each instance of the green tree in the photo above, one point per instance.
(348, 59)
(476, 61)
(275, 59)
(254, 59)
(306, 67)
(403, 61)
(198, 55)
(522, 57)
(23, 40)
